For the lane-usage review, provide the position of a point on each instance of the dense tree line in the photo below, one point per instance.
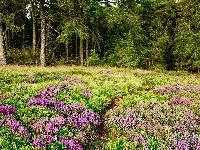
(144, 34)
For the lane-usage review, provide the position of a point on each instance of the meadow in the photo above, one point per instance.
(87, 108)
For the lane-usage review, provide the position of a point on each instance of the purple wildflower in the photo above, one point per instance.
(31, 79)
(15, 126)
(48, 127)
(119, 95)
(179, 100)
(49, 92)
(86, 92)
(1, 123)
(69, 97)
(72, 80)
(105, 73)
(4, 96)
(43, 140)
(7, 109)
(70, 144)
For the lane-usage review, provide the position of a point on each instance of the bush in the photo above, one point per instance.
(25, 56)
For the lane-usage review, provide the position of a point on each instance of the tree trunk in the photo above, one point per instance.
(33, 24)
(81, 52)
(42, 18)
(2, 51)
(48, 33)
(86, 52)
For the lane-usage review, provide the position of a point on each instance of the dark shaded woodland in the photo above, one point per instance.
(146, 34)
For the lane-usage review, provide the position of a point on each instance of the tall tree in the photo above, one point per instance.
(43, 39)
(187, 35)
(32, 5)
(2, 50)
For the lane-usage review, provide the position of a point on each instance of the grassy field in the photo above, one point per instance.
(98, 108)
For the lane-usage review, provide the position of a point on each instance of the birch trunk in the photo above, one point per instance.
(86, 52)
(33, 24)
(81, 52)
(2, 51)
(42, 18)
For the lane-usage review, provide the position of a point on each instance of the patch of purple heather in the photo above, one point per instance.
(65, 86)
(31, 79)
(48, 127)
(72, 80)
(77, 107)
(92, 117)
(4, 96)
(70, 144)
(155, 119)
(119, 95)
(49, 92)
(86, 92)
(179, 100)
(182, 141)
(10, 109)
(105, 73)
(14, 126)
(74, 115)
(1, 123)
(43, 140)
(40, 102)
(177, 88)
(69, 97)
(139, 138)
(7, 109)
(57, 105)
(3, 110)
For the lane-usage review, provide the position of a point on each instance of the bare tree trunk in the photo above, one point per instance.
(86, 52)
(33, 24)
(81, 52)
(48, 33)
(42, 18)
(2, 51)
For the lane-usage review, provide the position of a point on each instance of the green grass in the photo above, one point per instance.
(135, 86)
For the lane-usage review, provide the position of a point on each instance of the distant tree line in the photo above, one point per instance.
(145, 34)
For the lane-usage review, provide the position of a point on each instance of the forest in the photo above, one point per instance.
(145, 34)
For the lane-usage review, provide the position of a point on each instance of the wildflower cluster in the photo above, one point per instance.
(71, 144)
(177, 88)
(7, 109)
(75, 115)
(31, 79)
(49, 92)
(46, 131)
(14, 126)
(1, 123)
(119, 96)
(86, 92)
(4, 96)
(179, 100)
(72, 80)
(158, 120)
(185, 94)
(65, 86)
(105, 73)
(11, 123)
